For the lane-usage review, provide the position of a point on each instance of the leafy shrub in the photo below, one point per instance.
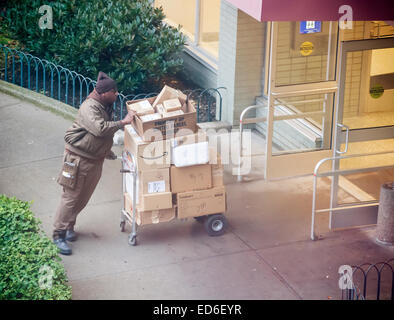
(124, 38)
(27, 256)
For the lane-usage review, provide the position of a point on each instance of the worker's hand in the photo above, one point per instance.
(111, 156)
(128, 118)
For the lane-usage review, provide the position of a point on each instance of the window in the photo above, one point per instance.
(199, 20)
(306, 52)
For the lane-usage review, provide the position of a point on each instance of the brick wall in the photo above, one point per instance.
(199, 72)
(241, 45)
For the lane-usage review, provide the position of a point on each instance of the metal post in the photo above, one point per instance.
(134, 200)
(197, 24)
(313, 207)
(239, 178)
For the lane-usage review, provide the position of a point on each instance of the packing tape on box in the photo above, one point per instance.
(155, 216)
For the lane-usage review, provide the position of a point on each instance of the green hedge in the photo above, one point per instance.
(30, 267)
(127, 39)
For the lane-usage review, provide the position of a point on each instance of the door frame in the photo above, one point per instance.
(346, 136)
(303, 162)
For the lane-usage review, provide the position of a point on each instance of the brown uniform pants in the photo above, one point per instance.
(74, 200)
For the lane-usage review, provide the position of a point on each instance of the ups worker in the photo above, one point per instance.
(88, 143)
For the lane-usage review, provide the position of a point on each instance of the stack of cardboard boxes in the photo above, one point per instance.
(178, 174)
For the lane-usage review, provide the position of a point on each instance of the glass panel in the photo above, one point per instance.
(363, 187)
(304, 57)
(372, 146)
(180, 12)
(368, 30)
(209, 26)
(380, 29)
(369, 89)
(305, 132)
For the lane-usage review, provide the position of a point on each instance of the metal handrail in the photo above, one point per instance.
(241, 123)
(316, 175)
(347, 138)
(45, 72)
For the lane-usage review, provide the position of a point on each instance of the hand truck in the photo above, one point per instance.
(214, 224)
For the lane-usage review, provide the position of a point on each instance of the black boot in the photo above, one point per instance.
(59, 239)
(71, 235)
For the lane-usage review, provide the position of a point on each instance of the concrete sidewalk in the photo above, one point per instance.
(265, 254)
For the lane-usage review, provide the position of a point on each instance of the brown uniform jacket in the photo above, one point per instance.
(91, 135)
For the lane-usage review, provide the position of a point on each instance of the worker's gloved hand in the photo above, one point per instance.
(128, 118)
(111, 156)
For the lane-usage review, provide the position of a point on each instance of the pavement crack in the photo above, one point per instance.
(279, 276)
(10, 105)
(274, 270)
(29, 162)
(191, 260)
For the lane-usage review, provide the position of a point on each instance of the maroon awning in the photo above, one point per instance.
(309, 10)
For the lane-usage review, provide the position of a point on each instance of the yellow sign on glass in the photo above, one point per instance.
(306, 48)
(376, 91)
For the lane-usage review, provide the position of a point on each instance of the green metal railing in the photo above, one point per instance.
(72, 88)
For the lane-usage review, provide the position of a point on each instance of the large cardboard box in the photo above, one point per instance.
(190, 178)
(155, 201)
(202, 202)
(155, 181)
(152, 189)
(217, 168)
(149, 217)
(148, 155)
(166, 127)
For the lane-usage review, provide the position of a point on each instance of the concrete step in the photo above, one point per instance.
(216, 125)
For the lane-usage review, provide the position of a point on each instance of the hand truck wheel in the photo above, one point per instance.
(133, 240)
(122, 226)
(215, 225)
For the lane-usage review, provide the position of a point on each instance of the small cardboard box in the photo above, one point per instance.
(149, 155)
(155, 201)
(142, 107)
(149, 217)
(203, 202)
(161, 129)
(217, 168)
(172, 105)
(155, 181)
(190, 178)
(160, 109)
(167, 93)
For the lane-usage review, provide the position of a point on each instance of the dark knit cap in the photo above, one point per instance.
(104, 83)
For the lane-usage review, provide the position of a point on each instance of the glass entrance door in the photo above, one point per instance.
(365, 126)
(301, 96)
